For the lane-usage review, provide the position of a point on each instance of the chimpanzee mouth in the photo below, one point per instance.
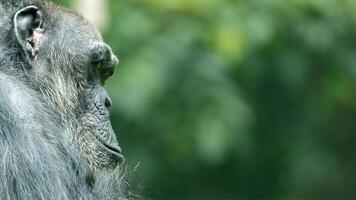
(115, 151)
(106, 136)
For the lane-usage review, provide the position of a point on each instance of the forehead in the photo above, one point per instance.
(72, 29)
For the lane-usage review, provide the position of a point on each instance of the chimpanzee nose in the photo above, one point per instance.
(105, 98)
(107, 102)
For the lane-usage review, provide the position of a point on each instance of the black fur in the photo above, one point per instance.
(52, 122)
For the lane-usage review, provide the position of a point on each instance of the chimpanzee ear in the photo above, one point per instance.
(28, 25)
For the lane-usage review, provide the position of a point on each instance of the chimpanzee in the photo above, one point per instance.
(56, 140)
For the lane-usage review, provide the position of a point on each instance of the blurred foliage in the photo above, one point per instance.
(236, 99)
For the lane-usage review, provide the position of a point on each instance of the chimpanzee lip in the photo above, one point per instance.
(115, 151)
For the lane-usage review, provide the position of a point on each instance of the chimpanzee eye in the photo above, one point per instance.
(105, 73)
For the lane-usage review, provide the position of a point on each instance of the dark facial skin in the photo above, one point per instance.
(68, 63)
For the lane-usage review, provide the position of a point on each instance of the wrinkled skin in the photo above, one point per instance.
(80, 64)
(56, 140)
(69, 69)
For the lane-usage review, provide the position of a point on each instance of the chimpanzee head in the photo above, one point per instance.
(66, 62)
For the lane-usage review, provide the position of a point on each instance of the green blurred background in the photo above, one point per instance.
(236, 99)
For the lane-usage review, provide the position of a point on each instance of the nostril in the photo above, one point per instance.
(108, 103)
(102, 97)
